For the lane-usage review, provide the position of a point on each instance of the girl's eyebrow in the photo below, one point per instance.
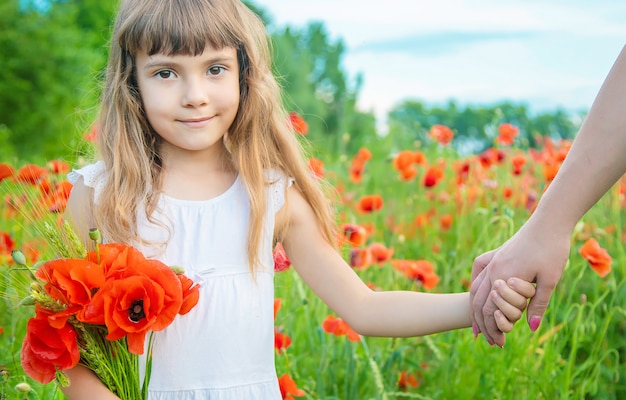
(171, 63)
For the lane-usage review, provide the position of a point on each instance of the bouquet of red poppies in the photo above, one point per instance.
(98, 308)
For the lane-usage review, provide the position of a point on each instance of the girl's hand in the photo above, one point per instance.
(511, 300)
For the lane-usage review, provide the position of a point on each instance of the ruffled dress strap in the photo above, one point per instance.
(279, 183)
(94, 176)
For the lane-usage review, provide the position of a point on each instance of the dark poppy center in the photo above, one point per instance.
(135, 312)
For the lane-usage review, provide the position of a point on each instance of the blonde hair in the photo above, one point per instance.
(259, 139)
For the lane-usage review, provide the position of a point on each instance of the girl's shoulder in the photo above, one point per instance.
(93, 176)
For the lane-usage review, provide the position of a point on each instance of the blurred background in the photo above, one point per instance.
(363, 69)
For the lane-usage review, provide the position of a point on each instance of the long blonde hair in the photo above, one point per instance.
(259, 139)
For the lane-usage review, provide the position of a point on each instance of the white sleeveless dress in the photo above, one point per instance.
(223, 349)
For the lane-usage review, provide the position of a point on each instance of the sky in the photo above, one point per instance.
(547, 54)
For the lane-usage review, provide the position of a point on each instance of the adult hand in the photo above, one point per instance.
(534, 255)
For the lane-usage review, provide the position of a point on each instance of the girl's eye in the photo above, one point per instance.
(165, 74)
(217, 70)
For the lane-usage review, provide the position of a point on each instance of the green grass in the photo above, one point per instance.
(579, 351)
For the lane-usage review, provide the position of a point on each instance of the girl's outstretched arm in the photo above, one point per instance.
(391, 313)
(539, 250)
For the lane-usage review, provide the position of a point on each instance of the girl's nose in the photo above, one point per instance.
(196, 93)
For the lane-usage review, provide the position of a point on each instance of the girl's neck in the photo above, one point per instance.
(197, 176)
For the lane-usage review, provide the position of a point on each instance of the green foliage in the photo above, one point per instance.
(45, 79)
(476, 126)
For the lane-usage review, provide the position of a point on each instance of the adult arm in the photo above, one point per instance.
(539, 250)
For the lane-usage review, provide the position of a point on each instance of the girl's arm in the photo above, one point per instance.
(539, 250)
(84, 384)
(391, 313)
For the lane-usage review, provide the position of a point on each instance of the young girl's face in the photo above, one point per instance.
(190, 101)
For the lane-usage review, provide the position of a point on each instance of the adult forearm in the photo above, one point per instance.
(597, 158)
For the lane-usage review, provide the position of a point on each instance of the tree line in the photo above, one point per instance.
(53, 55)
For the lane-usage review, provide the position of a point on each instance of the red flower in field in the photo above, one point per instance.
(370, 203)
(360, 258)
(354, 234)
(281, 261)
(433, 176)
(518, 161)
(550, 169)
(598, 258)
(317, 167)
(407, 380)
(6, 171)
(445, 221)
(363, 154)
(380, 253)
(491, 157)
(281, 341)
(338, 327)
(7, 245)
(59, 167)
(298, 123)
(46, 349)
(507, 134)
(421, 270)
(277, 305)
(289, 388)
(142, 295)
(92, 135)
(358, 164)
(441, 134)
(31, 173)
(57, 197)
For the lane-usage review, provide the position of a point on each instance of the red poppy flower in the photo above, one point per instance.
(507, 134)
(433, 176)
(281, 261)
(191, 294)
(289, 388)
(518, 161)
(380, 253)
(316, 166)
(598, 258)
(354, 234)
(92, 135)
(277, 305)
(142, 295)
(59, 167)
(338, 327)
(31, 173)
(6, 171)
(298, 123)
(281, 341)
(441, 134)
(370, 203)
(71, 282)
(421, 270)
(360, 259)
(407, 380)
(445, 222)
(46, 349)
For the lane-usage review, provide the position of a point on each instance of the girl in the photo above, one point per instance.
(200, 169)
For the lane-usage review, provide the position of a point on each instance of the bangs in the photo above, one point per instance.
(173, 27)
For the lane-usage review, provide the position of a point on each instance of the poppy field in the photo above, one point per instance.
(408, 219)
